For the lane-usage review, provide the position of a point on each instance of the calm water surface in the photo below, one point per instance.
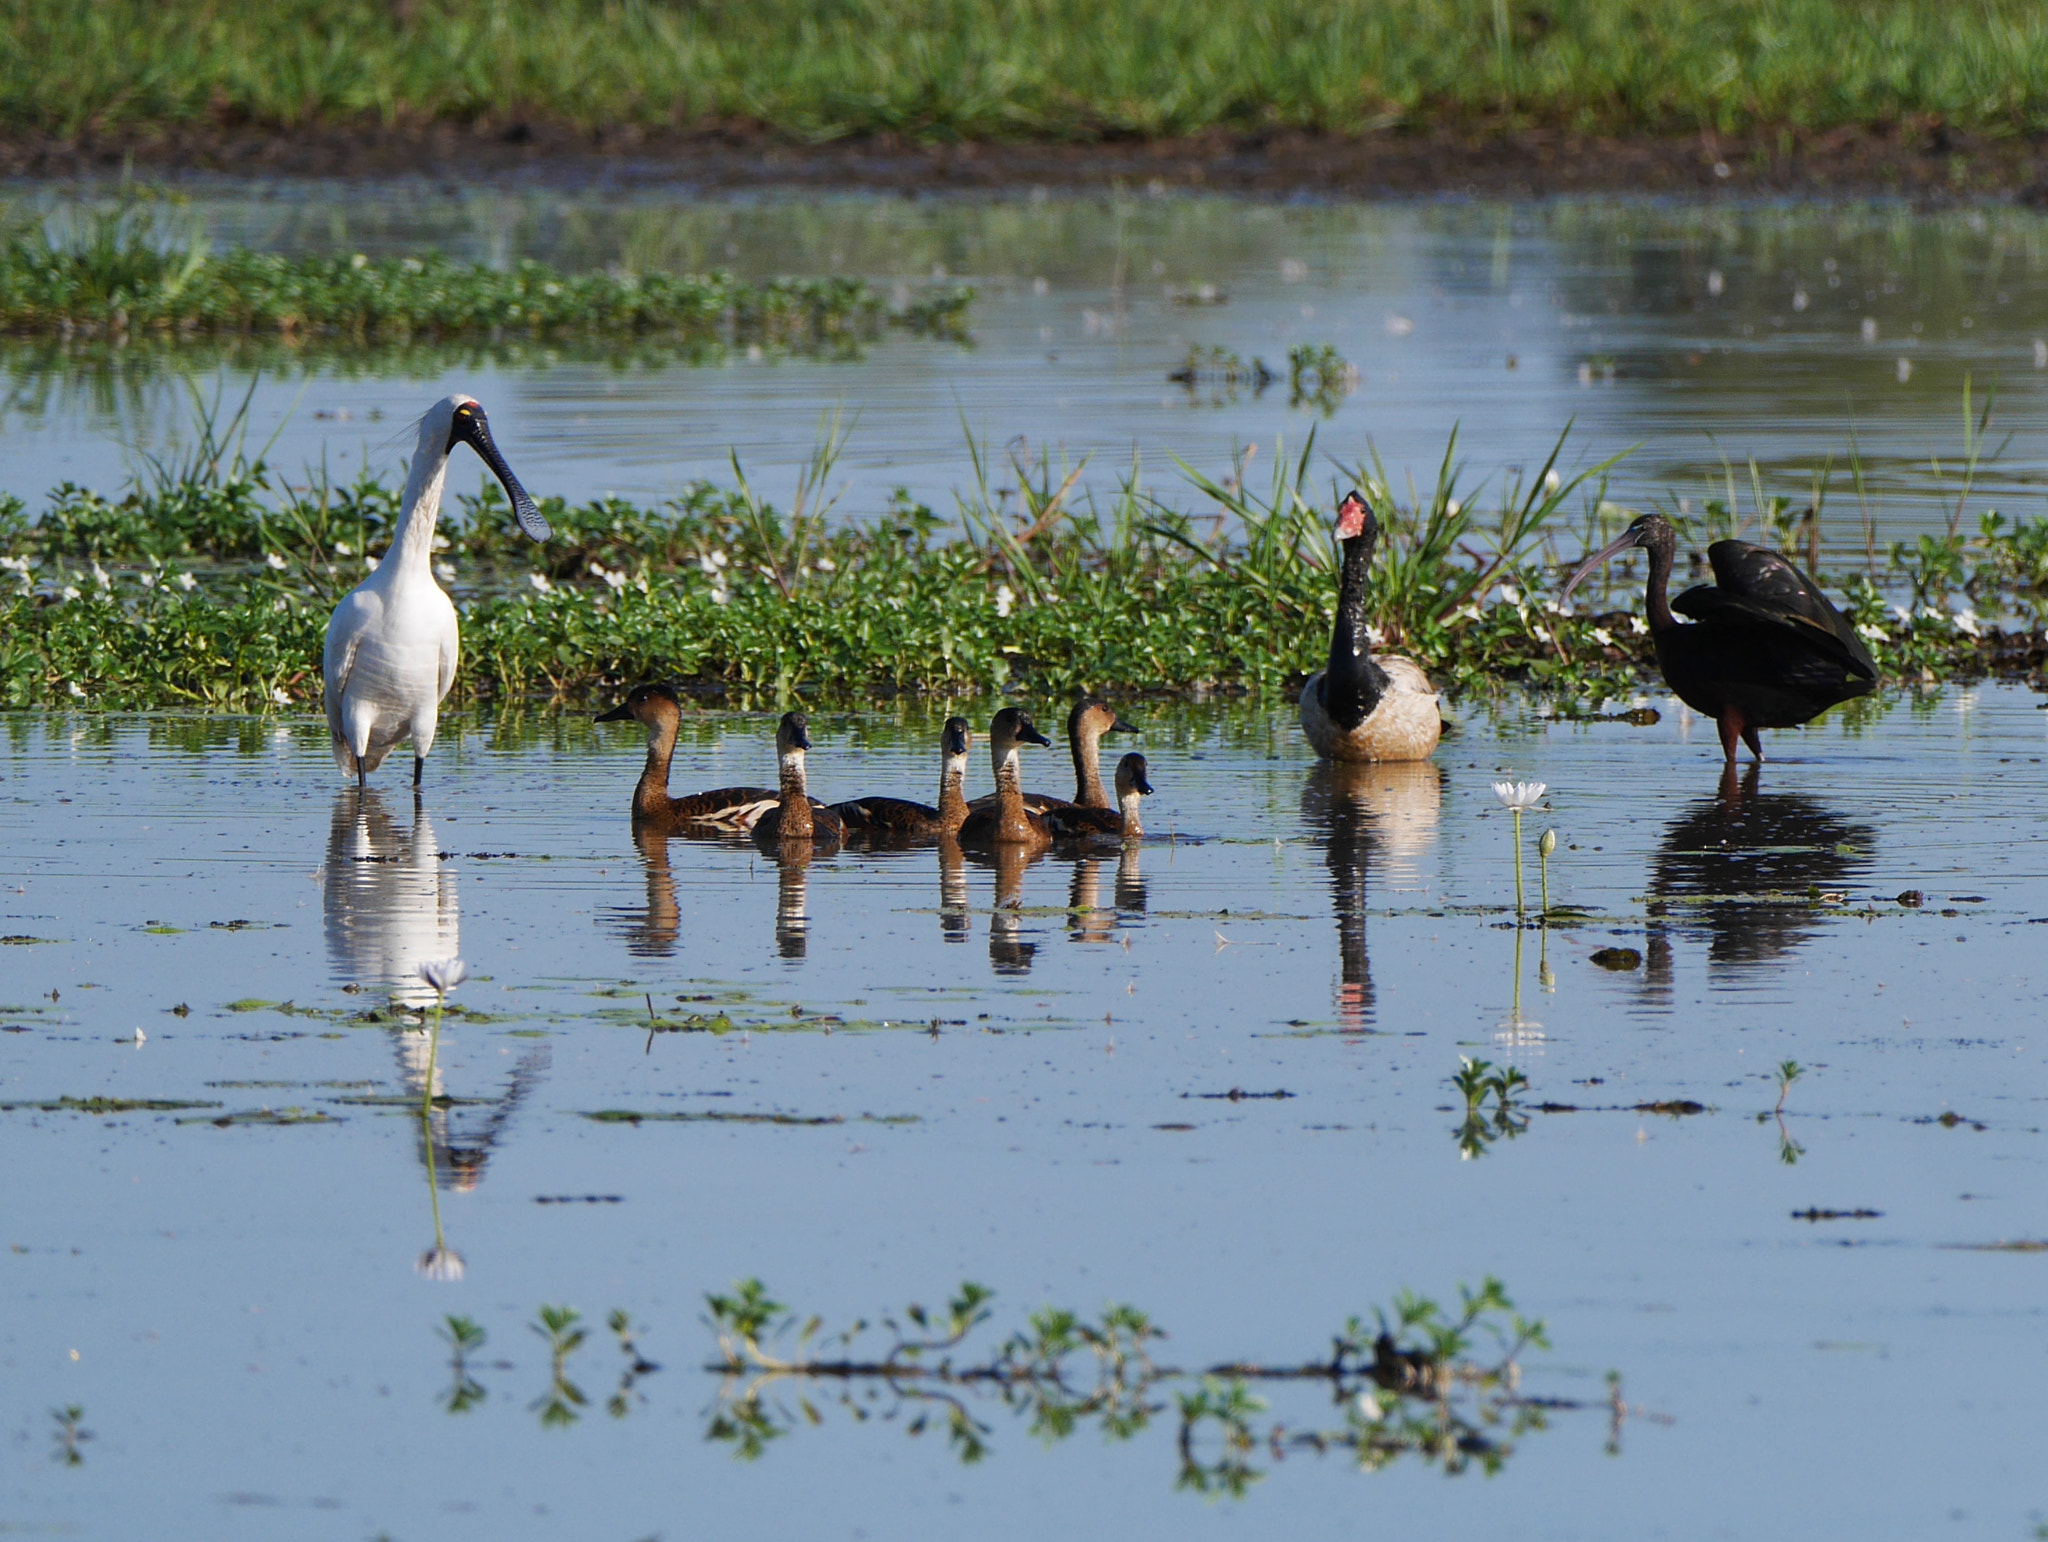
(1704, 336)
(238, 1313)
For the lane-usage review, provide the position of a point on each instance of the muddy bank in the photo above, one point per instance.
(1926, 162)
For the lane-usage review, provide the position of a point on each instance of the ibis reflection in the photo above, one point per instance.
(1748, 867)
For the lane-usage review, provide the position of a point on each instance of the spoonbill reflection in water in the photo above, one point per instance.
(392, 642)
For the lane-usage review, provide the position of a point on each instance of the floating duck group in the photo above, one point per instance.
(1763, 648)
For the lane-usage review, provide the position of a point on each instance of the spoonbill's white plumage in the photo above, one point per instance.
(392, 642)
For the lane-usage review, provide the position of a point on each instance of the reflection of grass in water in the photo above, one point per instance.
(102, 1105)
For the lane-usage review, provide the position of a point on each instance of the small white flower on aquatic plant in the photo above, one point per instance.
(827, 565)
(77, 690)
(147, 580)
(70, 591)
(1510, 595)
(1603, 637)
(445, 571)
(187, 582)
(1874, 633)
(275, 562)
(99, 576)
(343, 549)
(1966, 621)
(279, 695)
(540, 583)
(441, 1264)
(1369, 1406)
(444, 974)
(1006, 599)
(1519, 796)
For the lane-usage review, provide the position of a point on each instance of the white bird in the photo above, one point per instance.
(393, 641)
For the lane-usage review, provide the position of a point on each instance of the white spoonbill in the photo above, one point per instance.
(392, 642)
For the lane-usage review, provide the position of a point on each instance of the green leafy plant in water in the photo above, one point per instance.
(1319, 377)
(70, 1435)
(1409, 1380)
(1479, 1080)
(464, 1337)
(621, 1402)
(1789, 1150)
(560, 1327)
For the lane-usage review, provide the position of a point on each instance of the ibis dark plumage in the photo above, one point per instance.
(1764, 648)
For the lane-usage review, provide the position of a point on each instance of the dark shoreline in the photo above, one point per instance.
(1925, 164)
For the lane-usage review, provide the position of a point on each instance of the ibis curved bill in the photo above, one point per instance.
(393, 641)
(1765, 648)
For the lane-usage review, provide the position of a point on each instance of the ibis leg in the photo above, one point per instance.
(1749, 738)
(1731, 726)
(362, 778)
(419, 764)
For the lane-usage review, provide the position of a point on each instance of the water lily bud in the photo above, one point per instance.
(1547, 842)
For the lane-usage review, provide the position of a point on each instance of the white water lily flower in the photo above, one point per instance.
(275, 562)
(444, 974)
(444, 1264)
(540, 583)
(1552, 481)
(1519, 796)
(1006, 599)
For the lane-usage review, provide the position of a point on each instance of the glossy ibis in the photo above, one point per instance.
(1358, 707)
(1764, 648)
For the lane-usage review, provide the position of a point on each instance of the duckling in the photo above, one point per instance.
(1098, 823)
(1007, 822)
(1091, 718)
(657, 708)
(797, 816)
(902, 817)
(1358, 707)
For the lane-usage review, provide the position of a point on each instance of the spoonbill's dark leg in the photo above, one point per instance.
(419, 764)
(362, 777)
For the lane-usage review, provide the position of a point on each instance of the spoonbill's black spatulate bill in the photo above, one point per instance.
(1764, 648)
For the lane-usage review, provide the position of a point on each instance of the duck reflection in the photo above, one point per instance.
(1008, 952)
(792, 898)
(1369, 815)
(389, 900)
(650, 932)
(1742, 865)
(1088, 920)
(954, 905)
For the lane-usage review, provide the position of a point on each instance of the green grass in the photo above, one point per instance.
(1027, 69)
(128, 271)
(209, 584)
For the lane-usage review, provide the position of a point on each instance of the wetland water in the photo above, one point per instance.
(1783, 332)
(230, 1293)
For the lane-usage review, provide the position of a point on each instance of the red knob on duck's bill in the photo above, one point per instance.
(1357, 707)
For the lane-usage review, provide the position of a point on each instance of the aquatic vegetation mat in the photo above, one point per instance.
(209, 583)
(126, 274)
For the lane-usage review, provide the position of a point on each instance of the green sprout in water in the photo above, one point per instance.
(1789, 1150)
(559, 1326)
(464, 1338)
(70, 1435)
(620, 1403)
(1479, 1080)
(1408, 1379)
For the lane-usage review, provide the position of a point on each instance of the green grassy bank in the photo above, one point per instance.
(1028, 69)
(210, 587)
